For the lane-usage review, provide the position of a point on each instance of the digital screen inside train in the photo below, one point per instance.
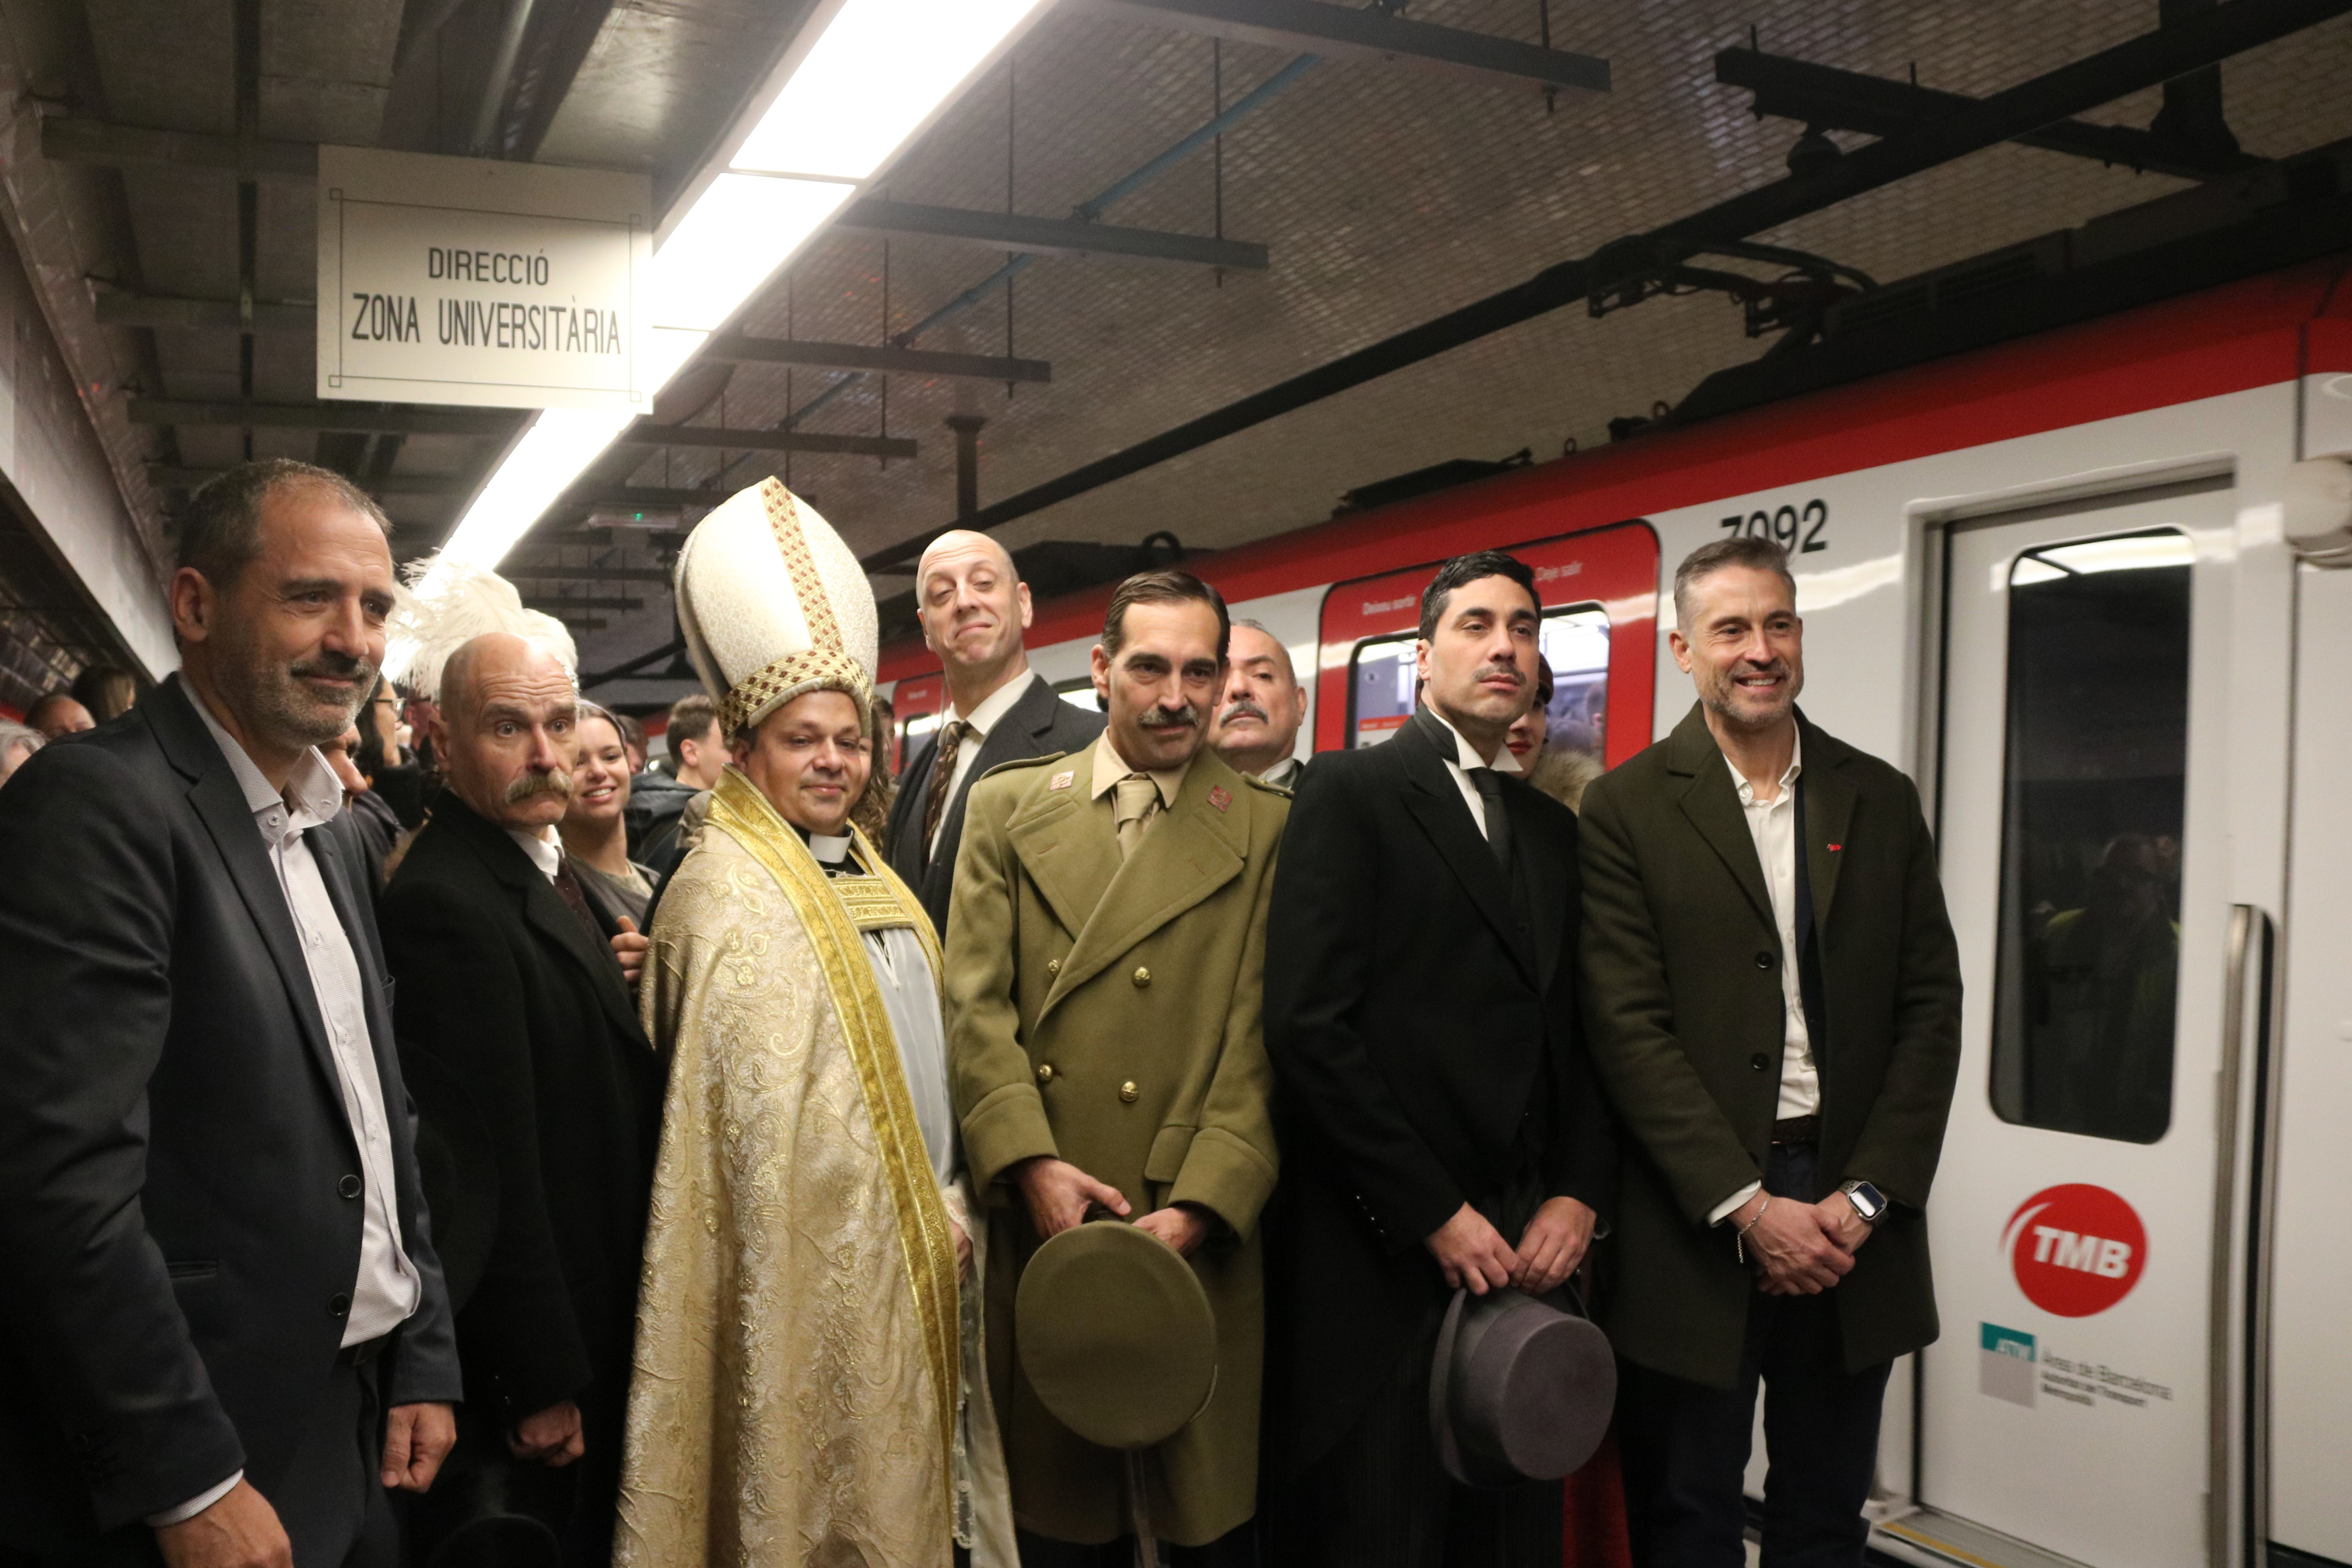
(1383, 685)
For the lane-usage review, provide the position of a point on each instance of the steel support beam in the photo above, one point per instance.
(495, 424)
(1342, 31)
(1838, 99)
(645, 433)
(2071, 90)
(69, 140)
(643, 497)
(74, 141)
(533, 574)
(739, 349)
(287, 316)
(557, 606)
(1047, 236)
(175, 477)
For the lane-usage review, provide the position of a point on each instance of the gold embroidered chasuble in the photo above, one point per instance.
(799, 1375)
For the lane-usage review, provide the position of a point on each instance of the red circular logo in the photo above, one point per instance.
(2076, 1249)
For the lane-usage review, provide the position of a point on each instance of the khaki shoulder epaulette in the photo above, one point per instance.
(1023, 762)
(1256, 783)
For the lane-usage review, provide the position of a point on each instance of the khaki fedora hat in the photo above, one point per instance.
(1116, 1334)
(1521, 1388)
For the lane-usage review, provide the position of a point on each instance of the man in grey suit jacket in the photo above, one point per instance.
(974, 607)
(225, 1332)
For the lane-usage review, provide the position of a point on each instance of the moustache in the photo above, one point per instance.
(540, 781)
(1157, 717)
(1491, 671)
(1242, 708)
(335, 666)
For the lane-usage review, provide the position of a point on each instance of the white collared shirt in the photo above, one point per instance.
(387, 1290)
(545, 850)
(984, 718)
(1773, 826)
(1464, 761)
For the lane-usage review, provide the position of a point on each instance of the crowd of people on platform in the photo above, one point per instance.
(431, 1136)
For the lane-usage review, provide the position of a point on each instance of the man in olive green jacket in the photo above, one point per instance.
(1773, 1001)
(1106, 956)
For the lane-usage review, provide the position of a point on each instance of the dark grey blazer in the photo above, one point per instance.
(1039, 725)
(180, 1244)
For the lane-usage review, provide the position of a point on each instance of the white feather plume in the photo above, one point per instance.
(465, 602)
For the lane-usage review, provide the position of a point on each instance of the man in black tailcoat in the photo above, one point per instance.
(1440, 1128)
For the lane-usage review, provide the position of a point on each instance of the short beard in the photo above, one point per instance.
(276, 704)
(1720, 695)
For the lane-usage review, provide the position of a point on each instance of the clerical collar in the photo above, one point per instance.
(831, 853)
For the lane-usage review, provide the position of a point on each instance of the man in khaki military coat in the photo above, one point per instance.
(1105, 955)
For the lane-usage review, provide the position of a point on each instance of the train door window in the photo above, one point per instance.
(1575, 643)
(2088, 946)
(911, 733)
(1383, 686)
(1080, 693)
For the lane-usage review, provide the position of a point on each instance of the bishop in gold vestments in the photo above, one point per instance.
(799, 1397)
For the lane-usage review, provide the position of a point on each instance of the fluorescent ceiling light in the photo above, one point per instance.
(871, 81)
(739, 232)
(880, 71)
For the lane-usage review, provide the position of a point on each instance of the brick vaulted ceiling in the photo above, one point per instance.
(1384, 195)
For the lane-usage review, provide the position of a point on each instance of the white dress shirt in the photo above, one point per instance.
(1464, 759)
(387, 1289)
(545, 850)
(981, 720)
(1773, 826)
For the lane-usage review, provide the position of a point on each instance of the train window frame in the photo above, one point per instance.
(2123, 1090)
(1081, 687)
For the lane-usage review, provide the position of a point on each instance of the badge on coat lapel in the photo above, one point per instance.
(1061, 780)
(1220, 798)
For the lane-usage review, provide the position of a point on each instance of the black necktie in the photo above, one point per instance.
(1498, 816)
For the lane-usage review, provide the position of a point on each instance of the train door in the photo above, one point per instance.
(2065, 1407)
(2309, 1374)
(1599, 594)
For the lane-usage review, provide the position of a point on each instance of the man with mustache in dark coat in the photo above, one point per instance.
(521, 1039)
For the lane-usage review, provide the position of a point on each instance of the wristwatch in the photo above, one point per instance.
(1867, 1201)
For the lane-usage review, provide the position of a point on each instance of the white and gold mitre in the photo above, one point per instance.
(772, 605)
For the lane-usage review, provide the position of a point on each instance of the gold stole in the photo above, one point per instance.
(834, 913)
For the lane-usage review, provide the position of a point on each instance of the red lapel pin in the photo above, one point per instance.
(1219, 798)
(1835, 847)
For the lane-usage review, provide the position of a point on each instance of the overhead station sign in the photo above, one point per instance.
(470, 281)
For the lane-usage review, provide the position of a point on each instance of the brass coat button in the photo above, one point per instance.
(1142, 977)
(1045, 1072)
(1127, 1091)
(1053, 966)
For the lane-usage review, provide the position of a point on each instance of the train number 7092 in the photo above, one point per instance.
(1799, 532)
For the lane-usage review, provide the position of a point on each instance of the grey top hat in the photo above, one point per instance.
(1521, 1388)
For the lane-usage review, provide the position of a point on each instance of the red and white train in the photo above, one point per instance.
(2059, 581)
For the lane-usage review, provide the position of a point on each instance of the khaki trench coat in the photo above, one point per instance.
(1108, 1012)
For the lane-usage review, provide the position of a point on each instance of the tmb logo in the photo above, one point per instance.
(2076, 1249)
